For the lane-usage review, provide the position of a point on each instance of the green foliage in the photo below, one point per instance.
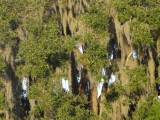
(144, 11)
(148, 110)
(72, 108)
(2, 85)
(2, 101)
(147, 12)
(153, 16)
(44, 48)
(13, 14)
(113, 66)
(34, 91)
(2, 64)
(145, 19)
(142, 35)
(97, 17)
(137, 79)
(116, 91)
(106, 112)
(108, 106)
(94, 57)
(113, 95)
(123, 9)
(128, 101)
(158, 80)
(62, 105)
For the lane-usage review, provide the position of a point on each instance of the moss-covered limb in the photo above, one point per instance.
(151, 68)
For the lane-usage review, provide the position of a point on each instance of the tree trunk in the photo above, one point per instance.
(151, 68)
(93, 98)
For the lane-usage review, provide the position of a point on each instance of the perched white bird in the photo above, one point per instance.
(65, 85)
(103, 71)
(24, 87)
(112, 79)
(79, 46)
(99, 88)
(111, 56)
(134, 54)
(78, 79)
(159, 97)
(24, 83)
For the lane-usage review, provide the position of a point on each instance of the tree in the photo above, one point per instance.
(57, 104)
(148, 110)
(137, 79)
